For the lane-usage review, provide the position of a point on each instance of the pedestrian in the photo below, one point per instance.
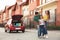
(8, 22)
(36, 19)
(41, 27)
(46, 17)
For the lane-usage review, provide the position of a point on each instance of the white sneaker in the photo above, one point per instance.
(46, 36)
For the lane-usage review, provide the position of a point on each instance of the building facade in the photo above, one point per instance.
(51, 6)
(1, 17)
(28, 9)
(15, 9)
(32, 5)
(42, 5)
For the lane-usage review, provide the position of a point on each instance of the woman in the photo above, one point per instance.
(46, 18)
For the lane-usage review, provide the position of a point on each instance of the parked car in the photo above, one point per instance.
(15, 24)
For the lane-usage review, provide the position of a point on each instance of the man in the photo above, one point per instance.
(36, 19)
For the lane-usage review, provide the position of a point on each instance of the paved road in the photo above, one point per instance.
(28, 35)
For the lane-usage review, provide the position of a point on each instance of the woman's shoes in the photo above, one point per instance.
(45, 36)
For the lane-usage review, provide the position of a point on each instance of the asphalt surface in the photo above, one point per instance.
(30, 34)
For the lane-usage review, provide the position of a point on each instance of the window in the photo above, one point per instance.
(48, 1)
(32, 1)
(19, 0)
(24, 0)
(4, 16)
(55, 13)
(42, 2)
(10, 13)
(31, 12)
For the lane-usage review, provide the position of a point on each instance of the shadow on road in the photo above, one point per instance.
(14, 32)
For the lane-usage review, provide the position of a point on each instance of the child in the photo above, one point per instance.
(41, 27)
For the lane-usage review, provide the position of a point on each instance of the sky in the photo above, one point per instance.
(4, 3)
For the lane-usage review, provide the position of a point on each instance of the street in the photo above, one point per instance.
(30, 34)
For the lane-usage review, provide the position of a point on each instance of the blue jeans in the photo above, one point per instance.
(41, 30)
(46, 23)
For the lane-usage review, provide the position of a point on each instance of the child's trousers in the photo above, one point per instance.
(41, 30)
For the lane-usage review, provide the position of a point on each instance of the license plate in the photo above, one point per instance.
(18, 28)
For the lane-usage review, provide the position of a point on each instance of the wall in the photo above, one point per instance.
(18, 10)
(0, 18)
(58, 13)
(32, 6)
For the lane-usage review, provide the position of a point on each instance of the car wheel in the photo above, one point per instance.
(5, 30)
(9, 31)
(23, 31)
(17, 31)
